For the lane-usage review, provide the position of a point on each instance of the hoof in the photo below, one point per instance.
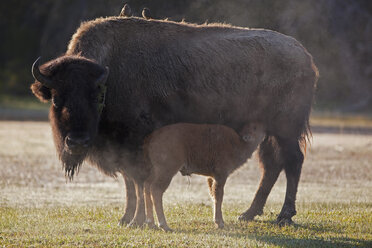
(246, 217)
(135, 223)
(151, 225)
(165, 228)
(123, 221)
(249, 215)
(220, 225)
(285, 216)
(284, 221)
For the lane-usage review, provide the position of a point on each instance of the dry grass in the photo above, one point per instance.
(341, 120)
(38, 207)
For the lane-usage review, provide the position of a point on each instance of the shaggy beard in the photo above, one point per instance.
(71, 163)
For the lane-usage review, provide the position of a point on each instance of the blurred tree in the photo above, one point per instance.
(21, 24)
(338, 34)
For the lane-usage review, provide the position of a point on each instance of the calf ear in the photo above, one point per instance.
(41, 92)
(247, 138)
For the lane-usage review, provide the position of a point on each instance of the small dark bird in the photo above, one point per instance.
(126, 11)
(146, 13)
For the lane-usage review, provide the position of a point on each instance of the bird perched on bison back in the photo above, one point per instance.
(146, 13)
(126, 11)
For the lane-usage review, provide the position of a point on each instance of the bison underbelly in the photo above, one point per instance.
(231, 110)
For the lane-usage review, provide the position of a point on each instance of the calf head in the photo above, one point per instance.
(253, 133)
(75, 86)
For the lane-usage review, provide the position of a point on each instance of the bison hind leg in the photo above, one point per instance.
(271, 166)
(277, 154)
(293, 158)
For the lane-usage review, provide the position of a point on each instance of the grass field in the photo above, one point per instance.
(38, 208)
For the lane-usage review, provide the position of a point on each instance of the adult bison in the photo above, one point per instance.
(123, 77)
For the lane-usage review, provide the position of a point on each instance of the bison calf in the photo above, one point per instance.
(210, 150)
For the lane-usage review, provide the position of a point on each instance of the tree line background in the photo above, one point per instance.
(338, 33)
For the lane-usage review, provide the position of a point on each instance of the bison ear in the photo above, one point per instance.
(41, 92)
(103, 77)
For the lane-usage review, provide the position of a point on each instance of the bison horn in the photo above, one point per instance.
(102, 79)
(39, 76)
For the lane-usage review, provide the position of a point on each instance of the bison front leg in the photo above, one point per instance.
(139, 215)
(131, 201)
(271, 165)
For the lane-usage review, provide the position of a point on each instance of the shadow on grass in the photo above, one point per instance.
(280, 238)
(318, 227)
(284, 241)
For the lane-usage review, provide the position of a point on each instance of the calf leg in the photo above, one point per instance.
(157, 190)
(217, 190)
(131, 200)
(149, 205)
(271, 165)
(293, 158)
(157, 197)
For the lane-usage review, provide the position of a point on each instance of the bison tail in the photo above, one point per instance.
(306, 138)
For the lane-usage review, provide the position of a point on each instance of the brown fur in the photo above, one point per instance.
(265, 54)
(164, 72)
(214, 151)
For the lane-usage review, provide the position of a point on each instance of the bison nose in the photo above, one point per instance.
(77, 142)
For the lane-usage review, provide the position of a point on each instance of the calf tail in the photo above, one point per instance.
(210, 186)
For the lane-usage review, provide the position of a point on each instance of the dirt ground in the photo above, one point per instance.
(337, 169)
